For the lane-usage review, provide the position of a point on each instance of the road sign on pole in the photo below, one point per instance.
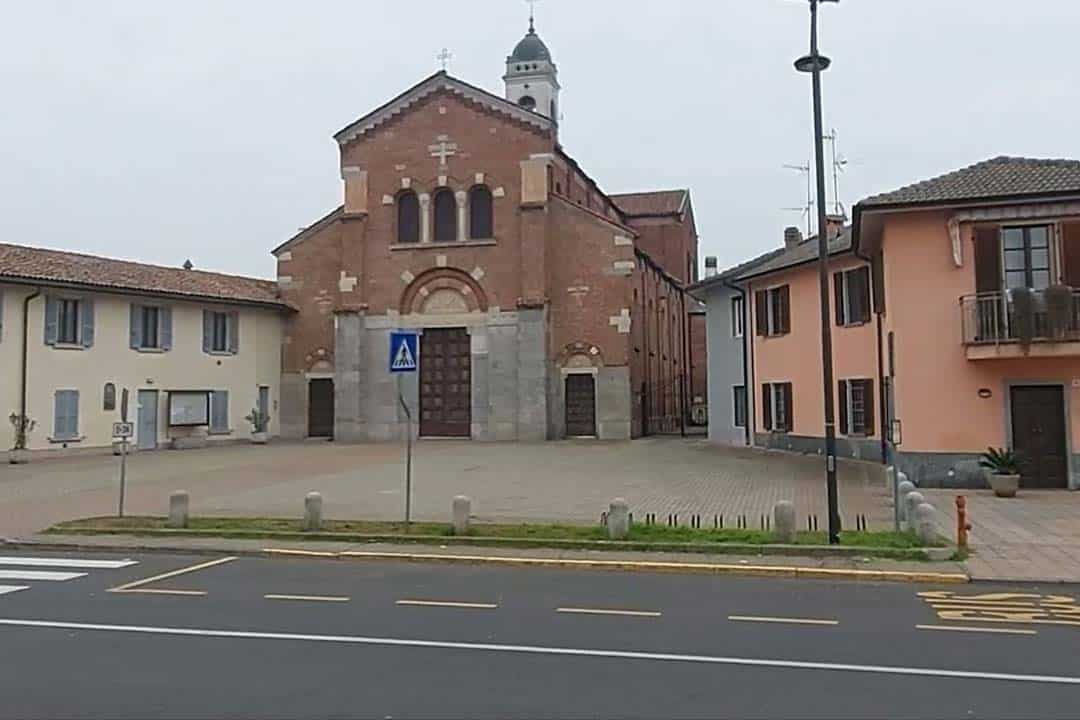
(123, 430)
(404, 352)
(405, 358)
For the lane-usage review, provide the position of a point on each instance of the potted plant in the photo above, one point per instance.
(1022, 317)
(259, 422)
(1003, 471)
(23, 426)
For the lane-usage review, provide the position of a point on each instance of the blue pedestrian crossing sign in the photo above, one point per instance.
(404, 352)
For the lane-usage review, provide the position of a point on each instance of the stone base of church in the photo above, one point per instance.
(516, 394)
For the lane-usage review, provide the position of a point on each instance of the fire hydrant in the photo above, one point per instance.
(962, 524)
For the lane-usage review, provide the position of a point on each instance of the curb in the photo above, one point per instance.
(638, 566)
(917, 554)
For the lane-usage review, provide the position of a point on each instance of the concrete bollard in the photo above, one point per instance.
(312, 512)
(924, 523)
(911, 501)
(178, 509)
(618, 520)
(462, 509)
(903, 488)
(784, 521)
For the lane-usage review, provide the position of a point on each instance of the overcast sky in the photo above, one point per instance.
(161, 131)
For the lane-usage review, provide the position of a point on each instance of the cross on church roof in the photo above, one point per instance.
(444, 58)
(532, 14)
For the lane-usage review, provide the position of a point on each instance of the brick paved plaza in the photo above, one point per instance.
(567, 481)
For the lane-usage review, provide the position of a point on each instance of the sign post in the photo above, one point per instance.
(405, 358)
(123, 430)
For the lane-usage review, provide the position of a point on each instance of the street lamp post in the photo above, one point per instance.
(815, 63)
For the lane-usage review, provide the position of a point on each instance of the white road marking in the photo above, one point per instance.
(39, 575)
(448, 603)
(313, 598)
(792, 621)
(542, 650)
(5, 589)
(129, 587)
(602, 611)
(65, 562)
(960, 628)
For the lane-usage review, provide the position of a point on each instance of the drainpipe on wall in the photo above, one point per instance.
(25, 361)
(882, 395)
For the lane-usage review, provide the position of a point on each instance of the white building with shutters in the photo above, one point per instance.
(196, 351)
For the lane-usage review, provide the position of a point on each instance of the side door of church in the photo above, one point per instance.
(580, 405)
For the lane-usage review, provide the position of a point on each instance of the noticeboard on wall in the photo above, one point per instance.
(189, 407)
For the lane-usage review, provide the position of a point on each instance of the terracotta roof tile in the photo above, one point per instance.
(23, 264)
(999, 177)
(658, 202)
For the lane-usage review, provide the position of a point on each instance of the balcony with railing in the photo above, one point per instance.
(1021, 322)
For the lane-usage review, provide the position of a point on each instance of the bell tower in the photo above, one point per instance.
(531, 76)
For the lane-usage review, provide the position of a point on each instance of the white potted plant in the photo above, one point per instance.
(1002, 471)
(23, 426)
(260, 421)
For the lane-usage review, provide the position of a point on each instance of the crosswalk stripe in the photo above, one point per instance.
(39, 575)
(5, 589)
(65, 562)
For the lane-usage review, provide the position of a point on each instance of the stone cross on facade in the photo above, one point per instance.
(444, 57)
(442, 149)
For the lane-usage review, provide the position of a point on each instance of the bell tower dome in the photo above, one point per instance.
(531, 76)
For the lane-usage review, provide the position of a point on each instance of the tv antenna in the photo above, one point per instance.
(839, 162)
(809, 206)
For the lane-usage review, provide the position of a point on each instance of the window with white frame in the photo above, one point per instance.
(856, 398)
(851, 296)
(739, 400)
(67, 321)
(776, 407)
(772, 308)
(737, 316)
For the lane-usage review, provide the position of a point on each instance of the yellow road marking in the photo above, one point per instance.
(602, 611)
(795, 621)
(448, 603)
(314, 598)
(129, 587)
(960, 628)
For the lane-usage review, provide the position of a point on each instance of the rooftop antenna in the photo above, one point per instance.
(805, 169)
(444, 58)
(838, 164)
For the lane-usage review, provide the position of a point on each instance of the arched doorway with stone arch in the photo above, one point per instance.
(445, 304)
(579, 365)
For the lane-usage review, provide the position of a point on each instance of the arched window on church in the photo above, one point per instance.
(481, 213)
(445, 215)
(528, 102)
(408, 217)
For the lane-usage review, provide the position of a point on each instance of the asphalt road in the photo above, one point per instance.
(274, 637)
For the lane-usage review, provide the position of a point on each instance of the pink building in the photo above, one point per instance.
(955, 305)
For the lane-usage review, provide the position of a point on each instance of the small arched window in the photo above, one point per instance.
(109, 397)
(408, 217)
(481, 213)
(445, 216)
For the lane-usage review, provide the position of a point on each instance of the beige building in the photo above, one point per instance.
(197, 351)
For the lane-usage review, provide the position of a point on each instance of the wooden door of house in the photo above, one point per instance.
(321, 407)
(580, 405)
(445, 383)
(1038, 429)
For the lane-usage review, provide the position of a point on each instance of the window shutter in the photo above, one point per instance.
(59, 413)
(877, 271)
(165, 328)
(862, 293)
(52, 311)
(1, 315)
(66, 414)
(86, 317)
(868, 403)
(838, 297)
(987, 260)
(1070, 251)
(766, 406)
(789, 419)
(219, 410)
(234, 332)
(761, 309)
(136, 326)
(207, 330)
(842, 393)
(785, 309)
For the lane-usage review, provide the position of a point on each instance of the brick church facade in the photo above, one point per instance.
(547, 308)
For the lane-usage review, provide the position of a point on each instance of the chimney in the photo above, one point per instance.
(792, 237)
(834, 225)
(710, 266)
